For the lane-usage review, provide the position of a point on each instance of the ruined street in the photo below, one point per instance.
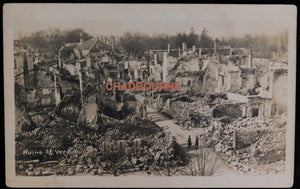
(182, 135)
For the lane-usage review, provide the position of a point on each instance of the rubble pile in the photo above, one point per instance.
(261, 122)
(197, 109)
(149, 155)
(197, 106)
(267, 147)
(63, 148)
(183, 108)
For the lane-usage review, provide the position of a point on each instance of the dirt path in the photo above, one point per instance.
(181, 135)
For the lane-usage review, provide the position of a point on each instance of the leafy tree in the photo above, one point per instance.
(134, 43)
(192, 39)
(205, 40)
(75, 35)
(259, 43)
(54, 38)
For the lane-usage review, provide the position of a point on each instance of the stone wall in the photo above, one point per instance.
(280, 92)
(210, 81)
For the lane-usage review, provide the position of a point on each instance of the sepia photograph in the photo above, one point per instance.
(149, 95)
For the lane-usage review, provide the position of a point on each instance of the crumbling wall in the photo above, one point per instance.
(248, 79)
(69, 84)
(29, 80)
(45, 88)
(280, 91)
(236, 82)
(40, 91)
(89, 113)
(210, 82)
(19, 63)
(20, 95)
(191, 65)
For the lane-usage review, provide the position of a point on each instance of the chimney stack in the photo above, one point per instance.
(165, 67)
(155, 59)
(200, 51)
(215, 46)
(216, 41)
(169, 46)
(81, 38)
(183, 48)
(250, 59)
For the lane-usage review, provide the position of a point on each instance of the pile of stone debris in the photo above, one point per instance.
(144, 155)
(251, 145)
(58, 146)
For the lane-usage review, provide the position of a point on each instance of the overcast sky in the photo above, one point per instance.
(115, 19)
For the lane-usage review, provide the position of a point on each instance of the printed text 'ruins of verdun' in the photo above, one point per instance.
(142, 86)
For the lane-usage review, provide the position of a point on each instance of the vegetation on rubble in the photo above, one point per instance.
(203, 163)
(171, 161)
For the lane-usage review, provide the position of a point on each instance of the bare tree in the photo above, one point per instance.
(203, 163)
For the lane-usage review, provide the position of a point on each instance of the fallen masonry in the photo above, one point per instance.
(60, 147)
(248, 145)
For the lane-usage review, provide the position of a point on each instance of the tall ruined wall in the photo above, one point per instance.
(210, 81)
(280, 91)
(191, 65)
(20, 96)
(236, 82)
(18, 63)
(45, 87)
(40, 88)
(248, 80)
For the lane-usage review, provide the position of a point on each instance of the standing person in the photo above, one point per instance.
(197, 142)
(189, 142)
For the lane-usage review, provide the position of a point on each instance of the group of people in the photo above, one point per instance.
(189, 142)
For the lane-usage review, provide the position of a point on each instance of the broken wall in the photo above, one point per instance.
(236, 81)
(20, 95)
(45, 87)
(191, 64)
(18, 63)
(248, 79)
(280, 91)
(210, 81)
(40, 91)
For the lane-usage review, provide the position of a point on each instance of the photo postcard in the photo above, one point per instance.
(149, 95)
